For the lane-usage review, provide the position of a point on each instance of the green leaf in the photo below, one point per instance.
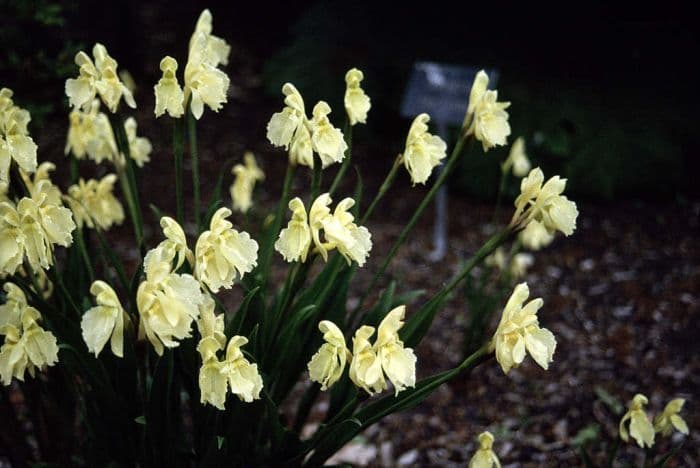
(220, 441)
(419, 323)
(609, 400)
(141, 420)
(235, 326)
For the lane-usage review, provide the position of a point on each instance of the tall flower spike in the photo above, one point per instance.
(327, 365)
(423, 151)
(169, 95)
(223, 255)
(484, 456)
(357, 103)
(669, 419)
(640, 427)
(105, 321)
(519, 331)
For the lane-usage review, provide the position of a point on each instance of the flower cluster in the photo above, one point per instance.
(223, 255)
(216, 376)
(105, 321)
(519, 331)
(636, 423)
(15, 142)
(204, 82)
(486, 118)
(339, 231)
(31, 227)
(90, 135)
(27, 345)
(98, 77)
(302, 136)
(246, 175)
(543, 210)
(357, 103)
(370, 364)
(423, 151)
(167, 302)
(94, 204)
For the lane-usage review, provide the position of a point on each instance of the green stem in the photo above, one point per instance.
(127, 180)
(613, 453)
(194, 160)
(346, 162)
(74, 169)
(266, 254)
(388, 181)
(499, 196)
(451, 162)
(178, 150)
(80, 242)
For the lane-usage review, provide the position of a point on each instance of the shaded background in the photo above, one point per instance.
(605, 96)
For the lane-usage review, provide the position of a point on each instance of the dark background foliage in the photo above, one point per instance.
(604, 95)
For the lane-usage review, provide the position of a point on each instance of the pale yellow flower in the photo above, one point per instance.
(535, 235)
(291, 129)
(327, 365)
(209, 322)
(213, 381)
(545, 203)
(204, 83)
(423, 151)
(357, 103)
(640, 427)
(490, 125)
(669, 419)
(295, 240)
(517, 159)
(109, 86)
(217, 49)
(486, 118)
(398, 362)
(11, 310)
(98, 77)
(169, 95)
(319, 214)
(15, 142)
(93, 203)
(352, 241)
(326, 140)
(366, 367)
(139, 147)
(520, 263)
(167, 302)
(244, 184)
(222, 254)
(175, 243)
(479, 87)
(90, 134)
(497, 259)
(26, 348)
(12, 239)
(105, 321)
(243, 377)
(485, 456)
(519, 331)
